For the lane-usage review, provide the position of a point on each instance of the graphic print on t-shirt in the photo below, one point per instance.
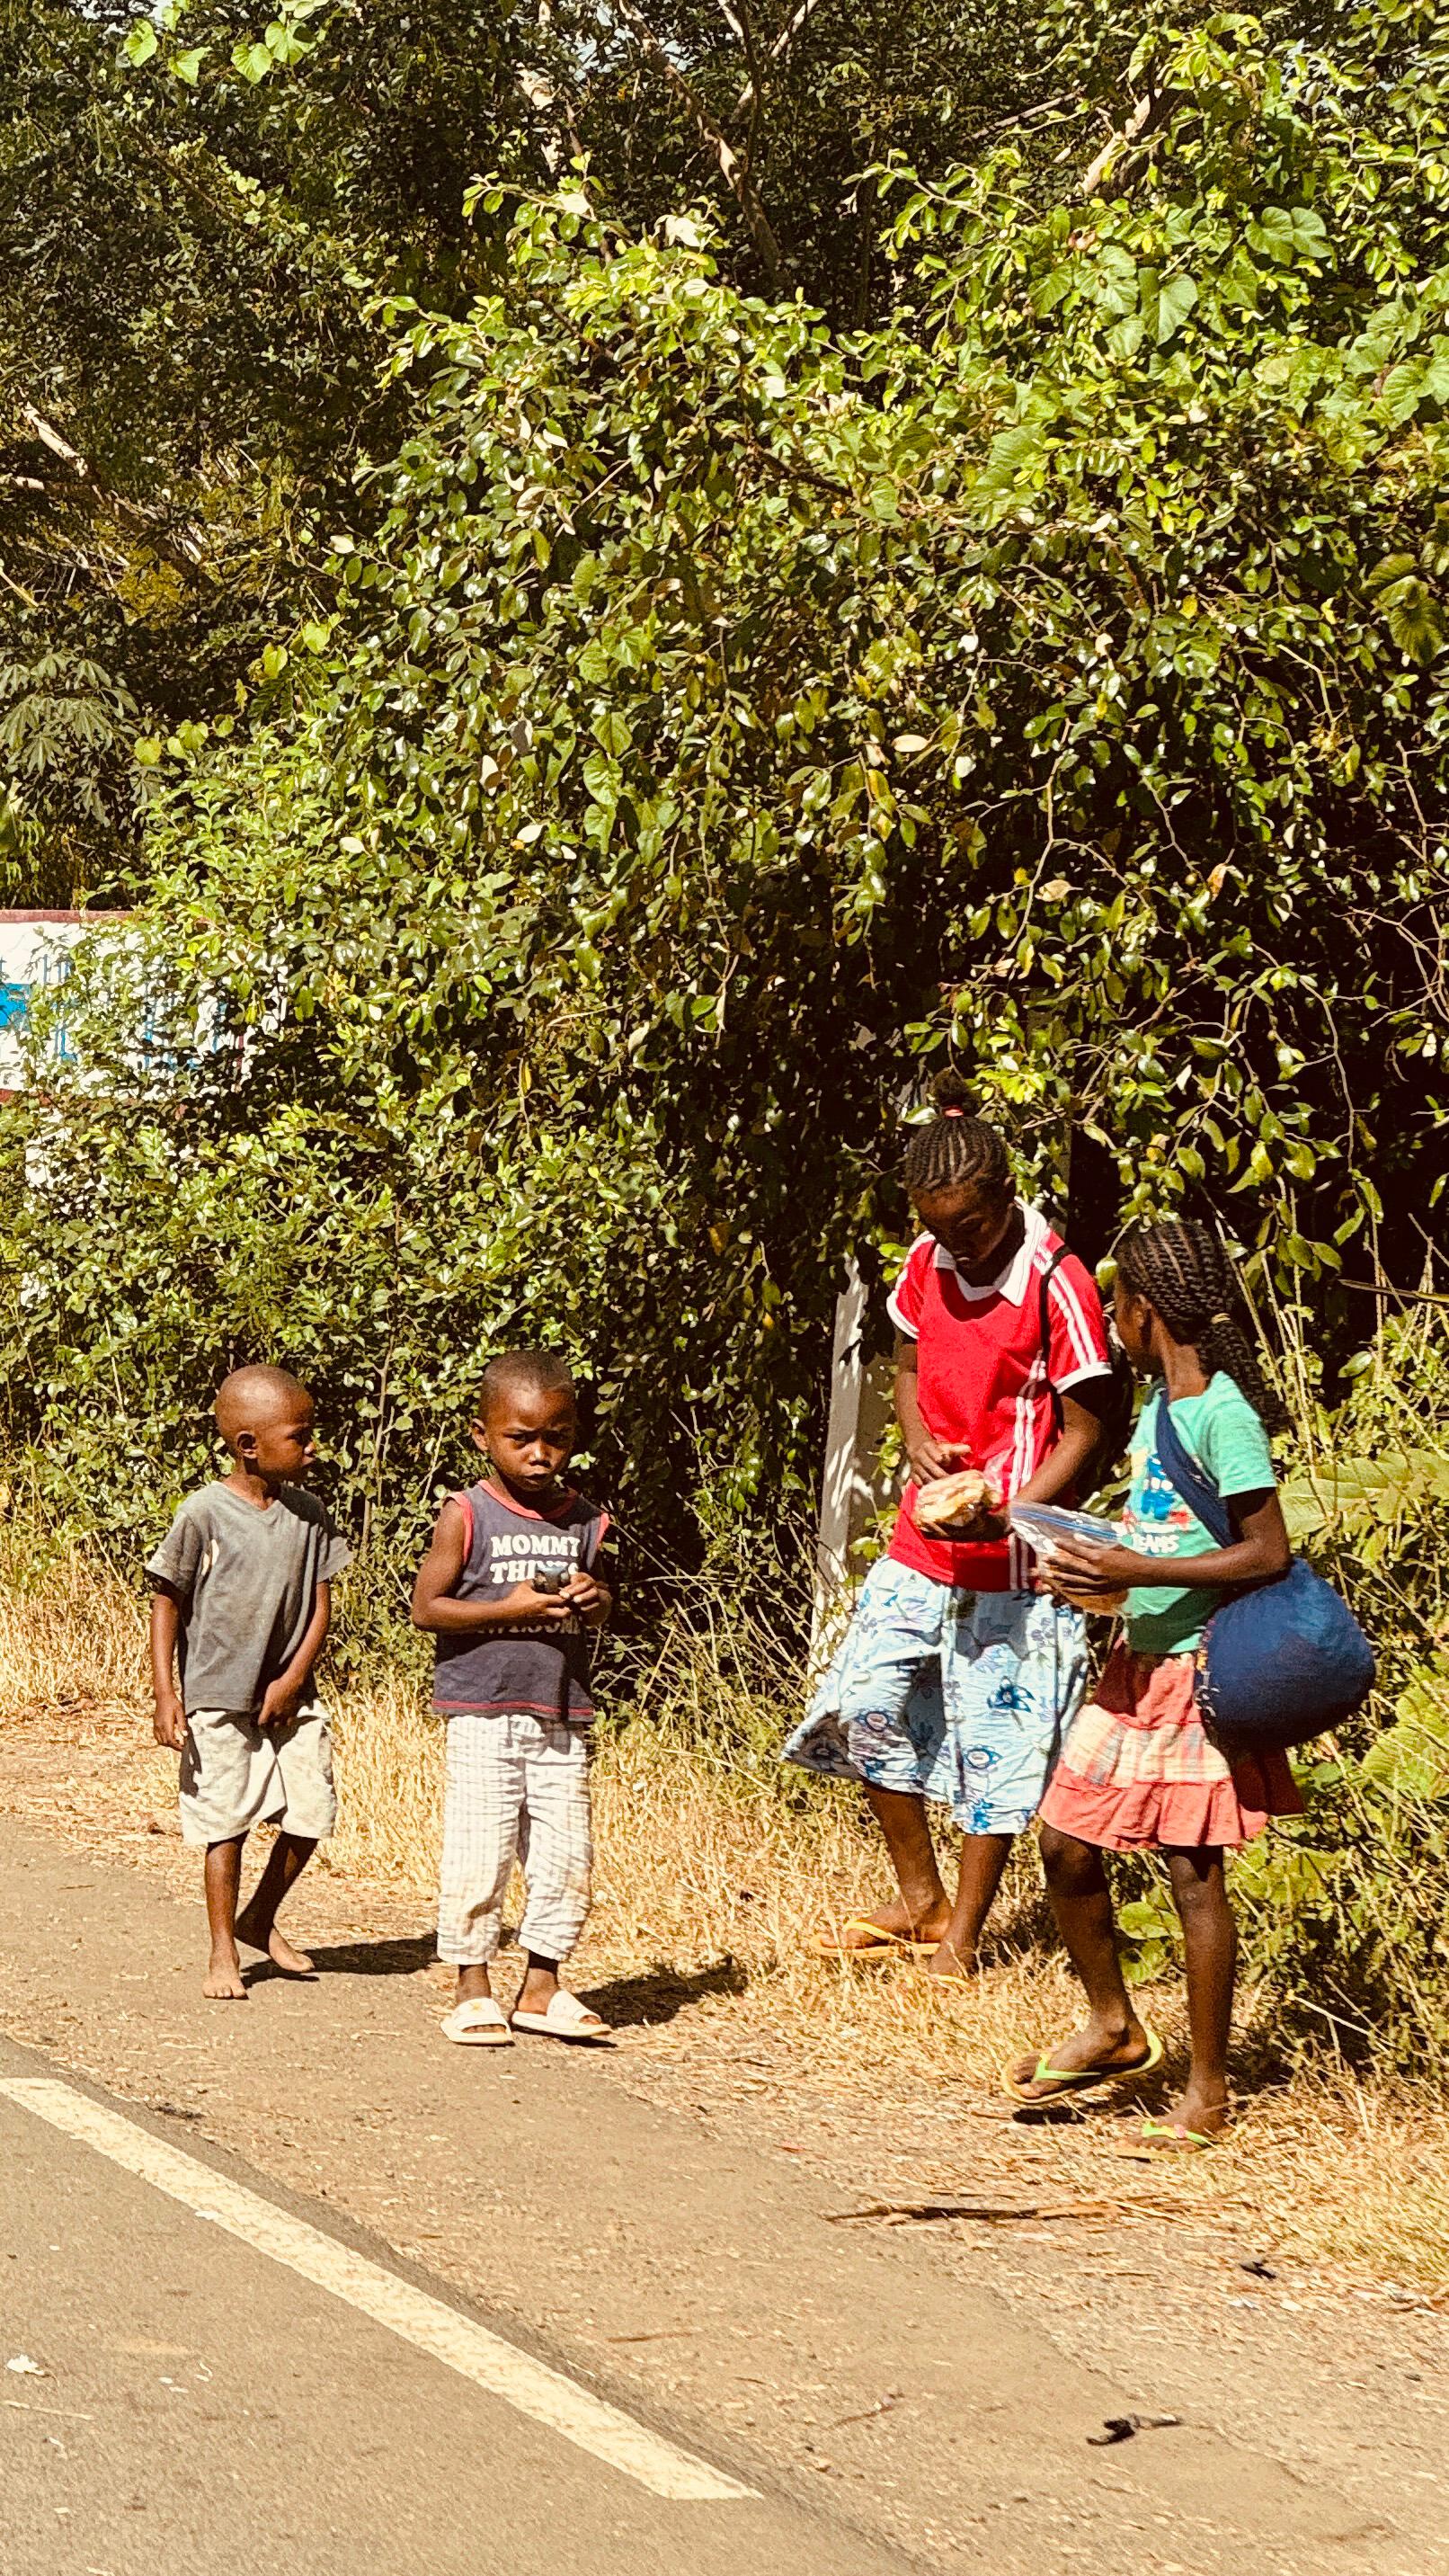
(517, 1556)
(536, 1665)
(1156, 1519)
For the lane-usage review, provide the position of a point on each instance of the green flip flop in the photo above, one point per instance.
(1083, 2079)
(1169, 2137)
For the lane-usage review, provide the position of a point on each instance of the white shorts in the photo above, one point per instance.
(235, 1774)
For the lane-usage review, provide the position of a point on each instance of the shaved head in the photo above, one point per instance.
(522, 1373)
(253, 1396)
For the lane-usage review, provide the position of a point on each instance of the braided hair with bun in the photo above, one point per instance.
(954, 1147)
(1181, 1269)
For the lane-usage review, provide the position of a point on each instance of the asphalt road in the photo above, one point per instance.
(313, 2392)
(197, 2403)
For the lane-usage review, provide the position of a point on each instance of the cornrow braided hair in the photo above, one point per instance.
(953, 1146)
(1184, 1273)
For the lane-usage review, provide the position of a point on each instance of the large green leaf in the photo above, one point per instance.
(1360, 1493)
(1411, 1757)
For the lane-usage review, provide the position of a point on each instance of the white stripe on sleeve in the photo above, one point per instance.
(893, 1302)
(1099, 1368)
(1086, 1345)
(911, 1331)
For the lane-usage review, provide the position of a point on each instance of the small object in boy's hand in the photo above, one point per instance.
(960, 1506)
(548, 1582)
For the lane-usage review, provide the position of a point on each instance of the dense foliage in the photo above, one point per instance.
(191, 219)
(723, 713)
(198, 210)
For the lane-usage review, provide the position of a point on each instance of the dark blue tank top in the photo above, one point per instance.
(543, 1671)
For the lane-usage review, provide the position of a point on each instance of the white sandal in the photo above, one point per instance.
(566, 2018)
(478, 2023)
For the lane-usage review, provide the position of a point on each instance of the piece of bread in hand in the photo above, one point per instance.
(960, 1506)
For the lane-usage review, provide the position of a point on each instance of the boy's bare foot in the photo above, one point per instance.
(291, 1962)
(223, 1980)
(537, 1991)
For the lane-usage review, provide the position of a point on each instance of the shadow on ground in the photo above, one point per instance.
(660, 1993)
(396, 1958)
(638, 2002)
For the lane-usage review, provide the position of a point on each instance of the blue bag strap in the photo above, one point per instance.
(1200, 1497)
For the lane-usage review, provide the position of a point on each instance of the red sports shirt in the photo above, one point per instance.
(985, 1383)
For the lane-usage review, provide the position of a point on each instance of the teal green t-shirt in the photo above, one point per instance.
(1220, 1430)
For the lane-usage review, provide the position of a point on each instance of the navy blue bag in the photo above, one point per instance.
(1280, 1661)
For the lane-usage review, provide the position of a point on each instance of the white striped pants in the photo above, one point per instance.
(517, 1789)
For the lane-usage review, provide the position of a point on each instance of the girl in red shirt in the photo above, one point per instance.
(955, 1677)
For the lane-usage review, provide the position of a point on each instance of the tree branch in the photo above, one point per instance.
(1096, 170)
(726, 160)
(183, 553)
(782, 44)
(550, 102)
(738, 22)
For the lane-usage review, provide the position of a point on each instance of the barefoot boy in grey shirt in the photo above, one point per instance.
(242, 1604)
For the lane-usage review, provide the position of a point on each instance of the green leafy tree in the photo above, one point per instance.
(779, 115)
(723, 719)
(194, 212)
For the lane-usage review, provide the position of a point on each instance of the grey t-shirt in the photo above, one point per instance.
(246, 1580)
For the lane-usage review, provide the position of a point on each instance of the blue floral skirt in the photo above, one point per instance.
(946, 1694)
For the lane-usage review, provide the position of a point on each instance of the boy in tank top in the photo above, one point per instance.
(509, 1590)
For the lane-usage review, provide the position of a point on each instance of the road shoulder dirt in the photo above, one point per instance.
(652, 2251)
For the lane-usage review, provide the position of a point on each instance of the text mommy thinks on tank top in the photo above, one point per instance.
(541, 1670)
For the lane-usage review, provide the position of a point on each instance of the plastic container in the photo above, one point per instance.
(1045, 1525)
(1041, 1523)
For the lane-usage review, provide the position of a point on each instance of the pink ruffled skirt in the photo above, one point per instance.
(1137, 1771)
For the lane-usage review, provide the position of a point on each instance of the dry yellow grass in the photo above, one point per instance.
(70, 1634)
(713, 1882)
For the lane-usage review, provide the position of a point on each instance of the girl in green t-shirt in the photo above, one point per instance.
(1137, 1771)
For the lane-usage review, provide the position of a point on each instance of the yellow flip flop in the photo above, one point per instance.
(1082, 2079)
(884, 1945)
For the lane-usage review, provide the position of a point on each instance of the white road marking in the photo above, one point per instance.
(547, 2395)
